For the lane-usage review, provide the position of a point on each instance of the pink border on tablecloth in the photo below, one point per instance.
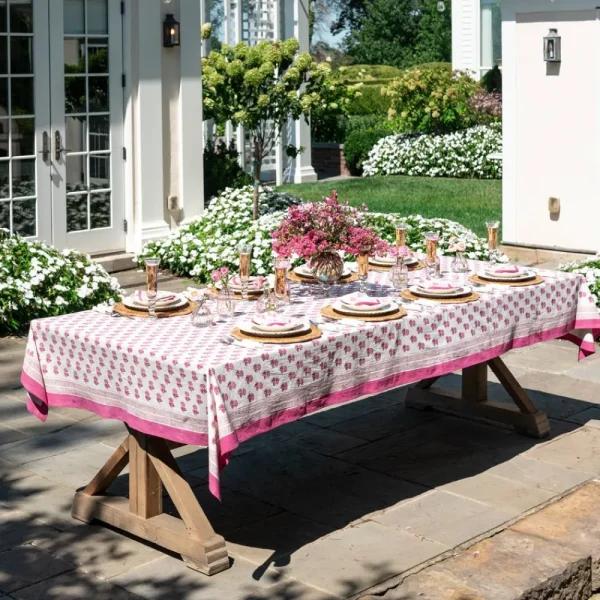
(230, 442)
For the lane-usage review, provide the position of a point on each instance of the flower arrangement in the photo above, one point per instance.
(456, 244)
(402, 252)
(222, 275)
(324, 227)
(39, 281)
(463, 154)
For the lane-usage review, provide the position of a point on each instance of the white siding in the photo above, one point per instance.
(465, 35)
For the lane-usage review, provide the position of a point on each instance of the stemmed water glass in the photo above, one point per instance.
(363, 266)
(492, 231)
(401, 228)
(152, 265)
(245, 251)
(282, 287)
(432, 260)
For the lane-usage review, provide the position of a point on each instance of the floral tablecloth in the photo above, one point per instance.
(170, 379)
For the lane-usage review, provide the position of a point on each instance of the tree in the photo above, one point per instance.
(349, 14)
(434, 40)
(262, 87)
(387, 33)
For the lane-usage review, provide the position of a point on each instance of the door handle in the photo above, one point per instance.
(45, 151)
(58, 149)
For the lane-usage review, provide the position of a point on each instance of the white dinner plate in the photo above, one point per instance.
(130, 302)
(339, 307)
(304, 271)
(461, 291)
(163, 298)
(388, 261)
(349, 301)
(274, 322)
(251, 329)
(524, 276)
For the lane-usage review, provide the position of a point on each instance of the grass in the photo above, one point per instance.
(471, 202)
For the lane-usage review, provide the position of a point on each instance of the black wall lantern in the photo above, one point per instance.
(170, 32)
(552, 47)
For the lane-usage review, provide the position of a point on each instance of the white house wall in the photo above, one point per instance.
(164, 119)
(551, 125)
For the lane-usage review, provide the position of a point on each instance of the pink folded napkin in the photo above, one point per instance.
(253, 282)
(161, 297)
(506, 269)
(272, 320)
(359, 299)
(441, 285)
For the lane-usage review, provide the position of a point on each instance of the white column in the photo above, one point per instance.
(238, 16)
(191, 168)
(145, 109)
(279, 160)
(303, 170)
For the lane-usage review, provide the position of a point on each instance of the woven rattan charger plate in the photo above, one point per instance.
(330, 313)
(187, 309)
(472, 297)
(314, 334)
(298, 279)
(381, 269)
(476, 279)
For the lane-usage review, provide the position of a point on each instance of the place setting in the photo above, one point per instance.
(362, 307)
(275, 328)
(506, 275)
(442, 291)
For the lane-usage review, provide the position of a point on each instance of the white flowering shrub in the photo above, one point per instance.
(462, 154)
(590, 269)
(37, 281)
(212, 241)
(476, 248)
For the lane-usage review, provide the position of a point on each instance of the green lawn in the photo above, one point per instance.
(471, 202)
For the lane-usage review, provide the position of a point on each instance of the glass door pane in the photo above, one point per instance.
(88, 115)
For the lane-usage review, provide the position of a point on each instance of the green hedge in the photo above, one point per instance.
(358, 144)
(370, 102)
(363, 72)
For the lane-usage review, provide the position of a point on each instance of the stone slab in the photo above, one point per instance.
(74, 585)
(579, 450)
(98, 550)
(535, 473)
(348, 561)
(169, 577)
(32, 426)
(10, 472)
(508, 566)
(26, 565)
(12, 407)
(291, 590)
(585, 416)
(327, 442)
(445, 518)
(274, 540)
(323, 489)
(9, 435)
(572, 523)
(505, 494)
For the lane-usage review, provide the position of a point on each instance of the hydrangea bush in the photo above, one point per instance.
(463, 154)
(211, 241)
(38, 281)
(590, 269)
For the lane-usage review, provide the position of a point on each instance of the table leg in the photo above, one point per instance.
(151, 466)
(472, 401)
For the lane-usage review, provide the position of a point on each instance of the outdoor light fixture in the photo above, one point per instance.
(441, 6)
(552, 47)
(170, 32)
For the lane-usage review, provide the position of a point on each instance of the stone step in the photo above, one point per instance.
(115, 262)
(553, 553)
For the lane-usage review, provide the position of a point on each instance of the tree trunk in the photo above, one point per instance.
(257, 170)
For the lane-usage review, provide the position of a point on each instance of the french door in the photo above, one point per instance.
(61, 122)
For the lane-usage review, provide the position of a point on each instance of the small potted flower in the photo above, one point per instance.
(459, 262)
(225, 296)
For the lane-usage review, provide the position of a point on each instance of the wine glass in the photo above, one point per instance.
(152, 265)
(282, 288)
(492, 231)
(245, 251)
(363, 266)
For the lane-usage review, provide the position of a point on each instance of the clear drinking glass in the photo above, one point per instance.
(282, 286)
(401, 228)
(398, 275)
(245, 251)
(432, 261)
(363, 266)
(492, 230)
(152, 265)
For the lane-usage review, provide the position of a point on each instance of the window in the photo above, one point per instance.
(491, 35)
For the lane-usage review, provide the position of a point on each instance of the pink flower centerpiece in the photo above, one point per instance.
(318, 231)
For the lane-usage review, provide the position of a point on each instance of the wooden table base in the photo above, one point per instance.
(472, 402)
(151, 466)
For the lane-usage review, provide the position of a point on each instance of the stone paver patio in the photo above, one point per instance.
(327, 507)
